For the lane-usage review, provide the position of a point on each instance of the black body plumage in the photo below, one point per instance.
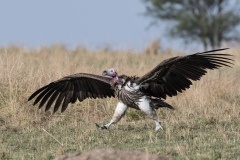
(127, 93)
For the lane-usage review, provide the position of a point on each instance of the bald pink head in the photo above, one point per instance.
(110, 72)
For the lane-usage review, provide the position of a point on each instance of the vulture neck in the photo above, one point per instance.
(117, 80)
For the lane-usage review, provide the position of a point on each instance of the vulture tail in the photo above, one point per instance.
(157, 103)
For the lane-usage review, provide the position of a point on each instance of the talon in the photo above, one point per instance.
(104, 127)
(101, 127)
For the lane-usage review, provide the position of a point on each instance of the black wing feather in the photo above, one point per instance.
(175, 74)
(68, 89)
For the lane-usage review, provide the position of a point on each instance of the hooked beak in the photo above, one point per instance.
(104, 73)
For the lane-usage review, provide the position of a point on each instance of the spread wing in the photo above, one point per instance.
(175, 74)
(68, 89)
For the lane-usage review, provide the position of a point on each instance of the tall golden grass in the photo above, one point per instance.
(205, 123)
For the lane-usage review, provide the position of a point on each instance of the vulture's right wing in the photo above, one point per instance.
(175, 74)
(68, 89)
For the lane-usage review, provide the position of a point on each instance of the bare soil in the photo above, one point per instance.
(110, 154)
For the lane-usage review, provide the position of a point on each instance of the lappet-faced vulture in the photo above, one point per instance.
(145, 93)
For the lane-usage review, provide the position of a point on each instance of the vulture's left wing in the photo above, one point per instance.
(68, 89)
(173, 75)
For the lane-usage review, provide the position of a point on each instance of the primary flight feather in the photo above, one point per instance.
(145, 93)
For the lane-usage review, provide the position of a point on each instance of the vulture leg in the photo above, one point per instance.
(118, 114)
(155, 119)
(145, 105)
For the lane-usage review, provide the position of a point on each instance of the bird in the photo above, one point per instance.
(146, 93)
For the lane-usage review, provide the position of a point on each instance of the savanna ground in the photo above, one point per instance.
(204, 125)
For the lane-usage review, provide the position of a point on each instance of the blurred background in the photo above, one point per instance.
(186, 26)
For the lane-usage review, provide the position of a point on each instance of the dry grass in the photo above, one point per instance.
(205, 124)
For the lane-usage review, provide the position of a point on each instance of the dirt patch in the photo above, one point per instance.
(110, 154)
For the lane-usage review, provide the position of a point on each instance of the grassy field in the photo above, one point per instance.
(204, 125)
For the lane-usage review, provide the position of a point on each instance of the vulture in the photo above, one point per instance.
(146, 93)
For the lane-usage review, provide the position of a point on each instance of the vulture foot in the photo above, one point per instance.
(101, 127)
(158, 127)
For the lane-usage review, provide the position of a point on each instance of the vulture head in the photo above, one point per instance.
(111, 73)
